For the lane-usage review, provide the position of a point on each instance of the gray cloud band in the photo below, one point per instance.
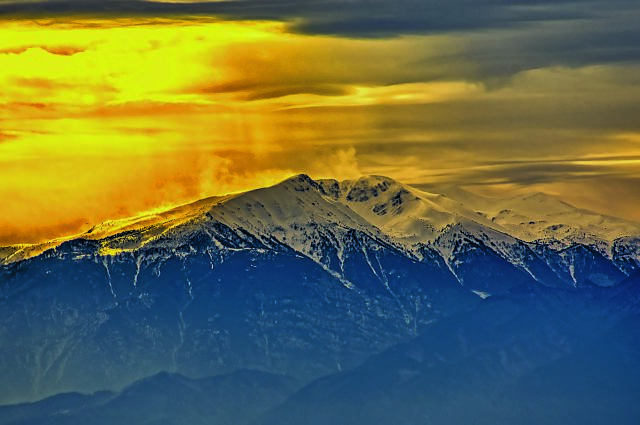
(362, 18)
(501, 37)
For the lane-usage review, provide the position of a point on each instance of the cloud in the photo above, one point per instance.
(7, 136)
(486, 41)
(182, 107)
(260, 92)
(528, 173)
(11, 234)
(84, 171)
(606, 184)
(615, 195)
(57, 50)
(499, 37)
(355, 17)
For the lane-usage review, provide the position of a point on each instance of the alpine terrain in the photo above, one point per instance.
(363, 301)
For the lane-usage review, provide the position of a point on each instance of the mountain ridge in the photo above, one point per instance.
(535, 355)
(303, 278)
(404, 216)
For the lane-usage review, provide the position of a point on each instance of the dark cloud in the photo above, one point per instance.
(527, 173)
(368, 18)
(609, 37)
(258, 91)
(54, 50)
(5, 136)
(536, 117)
(359, 18)
(285, 90)
(500, 37)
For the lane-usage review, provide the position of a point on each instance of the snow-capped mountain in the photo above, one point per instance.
(305, 277)
(291, 213)
(537, 234)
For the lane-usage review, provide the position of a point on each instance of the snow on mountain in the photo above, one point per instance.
(305, 215)
(305, 276)
(400, 211)
(541, 217)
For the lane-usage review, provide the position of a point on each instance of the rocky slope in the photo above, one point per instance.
(534, 356)
(165, 398)
(303, 278)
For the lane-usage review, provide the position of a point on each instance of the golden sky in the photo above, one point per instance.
(104, 116)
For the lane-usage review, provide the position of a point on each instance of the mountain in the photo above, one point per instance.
(304, 278)
(307, 215)
(535, 355)
(165, 398)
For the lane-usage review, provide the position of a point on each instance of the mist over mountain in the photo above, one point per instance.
(536, 355)
(165, 398)
(368, 294)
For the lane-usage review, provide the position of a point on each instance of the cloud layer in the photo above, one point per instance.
(185, 100)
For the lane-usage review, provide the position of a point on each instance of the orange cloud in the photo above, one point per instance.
(110, 118)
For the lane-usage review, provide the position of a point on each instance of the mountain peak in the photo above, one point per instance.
(302, 183)
(361, 189)
(403, 213)
(368, 187)
(302, 177)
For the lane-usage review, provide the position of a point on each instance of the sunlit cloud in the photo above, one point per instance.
(111, 112)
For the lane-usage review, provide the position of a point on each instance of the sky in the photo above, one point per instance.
(110, 108)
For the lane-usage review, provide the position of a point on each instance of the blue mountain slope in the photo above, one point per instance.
(165, 398)
(72, 324)
(304, 278)
(532, 356)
